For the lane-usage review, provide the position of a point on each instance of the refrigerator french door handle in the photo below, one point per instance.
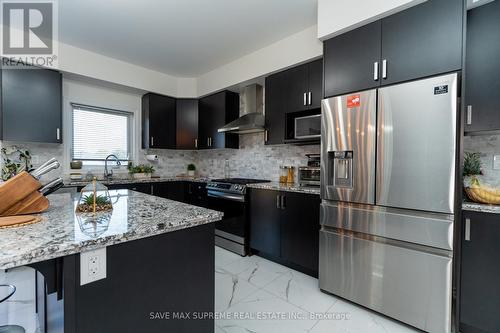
(375, 71)
(384, 69)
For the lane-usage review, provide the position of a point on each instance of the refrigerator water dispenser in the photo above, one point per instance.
(342, 169)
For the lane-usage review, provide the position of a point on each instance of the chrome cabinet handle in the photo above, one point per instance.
(467, 230)
(384, 69)
(283, 202)
(196, 143)
(469, 114)
(58, 133)
(208, 142)
(305, 98)
(152, 141)
(265, 136)
(278, 202)
(375, 71)
(309, 97)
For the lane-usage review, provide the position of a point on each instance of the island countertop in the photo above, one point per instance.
(62, 232)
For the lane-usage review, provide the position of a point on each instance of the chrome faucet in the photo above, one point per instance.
(108, 174)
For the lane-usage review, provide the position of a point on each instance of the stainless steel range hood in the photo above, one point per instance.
(252, 120)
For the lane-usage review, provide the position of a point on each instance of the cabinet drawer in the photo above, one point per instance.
(410, 285)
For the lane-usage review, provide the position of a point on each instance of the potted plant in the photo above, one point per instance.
(141, 171)
(86, 205)
(191, 168)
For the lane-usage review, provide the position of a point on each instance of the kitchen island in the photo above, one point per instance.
(159, 261)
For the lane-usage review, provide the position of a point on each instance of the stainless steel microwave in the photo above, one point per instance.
(308, 127)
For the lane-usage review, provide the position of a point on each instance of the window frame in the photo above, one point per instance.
(130, 131)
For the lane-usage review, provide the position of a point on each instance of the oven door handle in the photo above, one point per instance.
(227, 196)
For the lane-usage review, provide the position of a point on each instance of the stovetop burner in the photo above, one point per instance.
(239, 181)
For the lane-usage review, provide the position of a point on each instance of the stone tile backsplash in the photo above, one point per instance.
(488, 146)
(253, 160)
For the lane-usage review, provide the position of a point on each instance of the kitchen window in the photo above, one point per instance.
(99, 132)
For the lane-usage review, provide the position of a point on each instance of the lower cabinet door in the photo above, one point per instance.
(169, 190)
(480, 273)
(300, 230)
(143, 188)
(264, 216)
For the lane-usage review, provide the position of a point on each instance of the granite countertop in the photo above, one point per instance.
(73, 183)
(276, 186)
(61, 232)
(479, 207)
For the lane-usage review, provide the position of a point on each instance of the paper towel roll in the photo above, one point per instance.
(152, 158)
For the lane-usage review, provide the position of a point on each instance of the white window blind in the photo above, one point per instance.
(99, 132)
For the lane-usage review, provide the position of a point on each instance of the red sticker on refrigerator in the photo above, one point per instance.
(353, 101)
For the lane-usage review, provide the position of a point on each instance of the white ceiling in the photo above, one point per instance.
(184, 38)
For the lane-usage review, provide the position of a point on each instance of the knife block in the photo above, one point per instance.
(19, 196)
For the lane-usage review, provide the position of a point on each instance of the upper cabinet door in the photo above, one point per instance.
(315, 93)
(275, 107)
(158, 122)
(422, 41)
(482, 81)
(352, 61)
(214, 112)
(31, 105)
(187, 123)
(298, 88)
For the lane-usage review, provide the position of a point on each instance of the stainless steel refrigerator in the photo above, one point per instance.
(387, 188)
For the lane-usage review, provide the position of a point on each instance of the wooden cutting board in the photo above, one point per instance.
(17, 221)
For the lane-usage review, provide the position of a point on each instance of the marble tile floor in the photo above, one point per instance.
(255, 295)
(265, 297)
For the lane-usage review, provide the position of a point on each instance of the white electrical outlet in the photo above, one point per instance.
(92, 266)
(496, 162)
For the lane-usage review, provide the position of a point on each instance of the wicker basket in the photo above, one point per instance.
(483, 195)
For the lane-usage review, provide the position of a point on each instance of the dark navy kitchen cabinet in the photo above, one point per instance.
(186, 124)
(215, 111)
(482, 80)
(300, 229)
(275, 106)
(421, 41)
(352, 60)
(31, 109)
(158, 122)
(480, 273)
(169, 190)
(294, 90)
(284, 226)
(265, 222)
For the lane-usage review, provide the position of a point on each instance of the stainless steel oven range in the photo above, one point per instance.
(229, 196)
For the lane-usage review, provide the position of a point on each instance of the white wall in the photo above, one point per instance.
(297, 48)
(339, 16)
(97, 94)
(89, 64)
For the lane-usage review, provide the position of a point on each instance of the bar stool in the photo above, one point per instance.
(9, 328)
